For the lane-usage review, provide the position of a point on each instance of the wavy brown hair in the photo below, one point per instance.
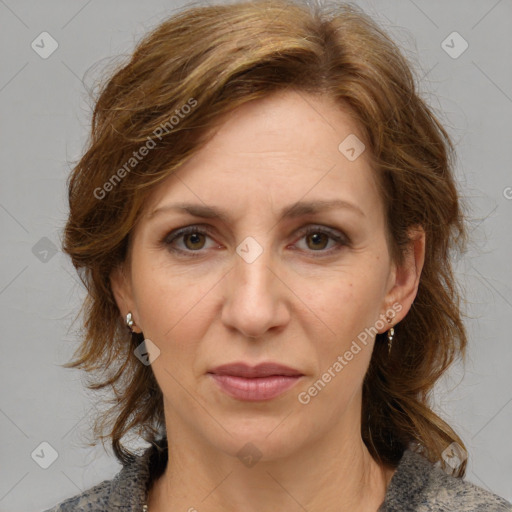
(214, 59)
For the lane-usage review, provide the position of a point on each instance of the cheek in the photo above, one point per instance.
(162, 294)
(347, 313)
(172, 319)
(172, 310)
(345, 306)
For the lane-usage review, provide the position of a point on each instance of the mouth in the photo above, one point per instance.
(255, 383)
(267, 369)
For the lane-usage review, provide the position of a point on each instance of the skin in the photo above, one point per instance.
(302, 302)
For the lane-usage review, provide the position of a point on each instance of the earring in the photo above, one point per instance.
(129, 322)
(137, 337)
(391, 335)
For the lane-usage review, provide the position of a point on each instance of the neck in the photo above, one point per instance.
(331, 474)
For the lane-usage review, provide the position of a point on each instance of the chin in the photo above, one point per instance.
(260, 439)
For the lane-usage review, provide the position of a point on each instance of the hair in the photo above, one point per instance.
(181, 80)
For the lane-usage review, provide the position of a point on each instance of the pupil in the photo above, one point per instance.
(193, 238)
(316, 236)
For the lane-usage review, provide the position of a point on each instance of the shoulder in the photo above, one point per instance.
(420, 486)
(96, 498)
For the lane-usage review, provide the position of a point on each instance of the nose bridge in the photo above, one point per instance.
(252, 301)
(252, 273)
(255, 248)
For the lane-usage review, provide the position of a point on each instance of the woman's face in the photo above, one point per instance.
(254, 287)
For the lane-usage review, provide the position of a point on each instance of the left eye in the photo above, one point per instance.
(194, 239)
(320, 237)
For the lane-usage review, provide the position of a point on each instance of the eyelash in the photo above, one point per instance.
(195, 229)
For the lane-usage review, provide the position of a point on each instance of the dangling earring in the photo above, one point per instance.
(391, 334)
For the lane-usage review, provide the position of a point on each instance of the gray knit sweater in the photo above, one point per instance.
(416, 486)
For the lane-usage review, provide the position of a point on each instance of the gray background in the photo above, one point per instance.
(44, 123)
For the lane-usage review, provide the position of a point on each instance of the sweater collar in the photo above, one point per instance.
(407, 483)
(129, 488)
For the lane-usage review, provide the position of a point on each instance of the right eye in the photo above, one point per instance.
(192, 239)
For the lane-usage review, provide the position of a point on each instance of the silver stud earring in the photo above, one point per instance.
(129, 321)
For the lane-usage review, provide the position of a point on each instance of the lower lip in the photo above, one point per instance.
(256, 389)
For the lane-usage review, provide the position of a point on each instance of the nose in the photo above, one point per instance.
(255, 297)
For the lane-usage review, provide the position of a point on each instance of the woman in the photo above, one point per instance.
(269, 207)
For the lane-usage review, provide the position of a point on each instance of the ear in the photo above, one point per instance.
(405, 279)
(121, 286)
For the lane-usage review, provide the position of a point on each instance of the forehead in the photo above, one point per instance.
(273, 151)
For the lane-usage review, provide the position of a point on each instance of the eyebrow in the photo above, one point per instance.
(295, 210)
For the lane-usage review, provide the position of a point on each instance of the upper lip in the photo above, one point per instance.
(240, 369)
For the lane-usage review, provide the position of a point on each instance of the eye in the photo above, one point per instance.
(318, 238)
(193, 240)
(192, 237)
